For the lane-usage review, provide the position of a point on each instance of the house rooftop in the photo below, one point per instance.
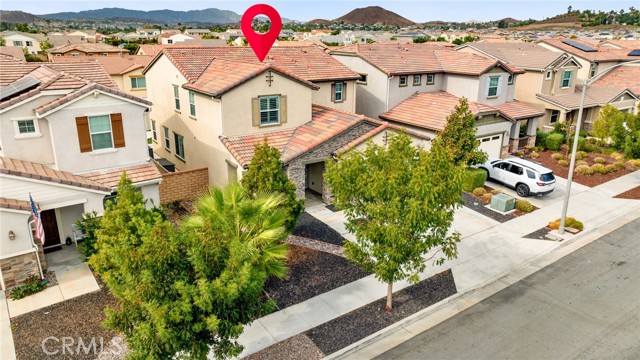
(136, 173)
(524, 55)
(595, 96)
(114, 65)
(12, 53)
(87, 48)
(591, 51)
(623, 76)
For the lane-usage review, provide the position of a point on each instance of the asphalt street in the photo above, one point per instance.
(584, 306)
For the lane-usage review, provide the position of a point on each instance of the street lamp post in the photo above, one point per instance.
(574, 148)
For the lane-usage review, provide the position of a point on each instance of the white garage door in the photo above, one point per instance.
(492, 145)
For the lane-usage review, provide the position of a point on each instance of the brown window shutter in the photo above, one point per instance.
(344, 91)
(117, 130)
(255, 110)
(333, 92)
(283, 109)
(84, 137)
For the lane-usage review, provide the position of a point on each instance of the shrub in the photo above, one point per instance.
(519, 154)
(487, 197)
(608, 151)
(524, 206)
(632, 145)
(88, 224)
(620, 164)
(474, 178)
(479, 191)
(600, 160)
(599, 169)
(583, 170)
(590, 148)
(568, 223)
(32, 285)
(563, 163)
(541, 138)
(580, 143)
(557, 156)
(495, 192)
(554, 141)
(534, 155)
(611, 168)
(616, 155)
(580, 155)
(634, 162)
(581, 162)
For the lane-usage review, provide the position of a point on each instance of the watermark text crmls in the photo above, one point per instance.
(68, 345)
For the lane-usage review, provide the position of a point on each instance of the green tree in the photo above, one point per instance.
(45, 45)
(421, 39)
(265, 174)
(88, 225)
(605, 125)
(191, 289)
(459, 136)
(335, 32)
(3, 42)
(399, 202)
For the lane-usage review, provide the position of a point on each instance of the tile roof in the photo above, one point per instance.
(37, 171)
(136, 173)
(83, 72)
(6, 203)
(397, 59)
(87, 48)
(383, 126)
(222, 76)
(242, 147)
(114, 65)
(60, 40)
(430, 110)
(524, 55)
(603, 53)
(14, 52)
(89, 87)
(518, 110)
(623, 44)
(595, 96)
(621, 77)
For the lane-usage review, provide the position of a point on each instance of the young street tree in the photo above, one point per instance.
(265, 174)
(399, 202)
(189, 290)
(459, 135)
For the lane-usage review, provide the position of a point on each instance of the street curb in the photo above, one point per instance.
(431, 316)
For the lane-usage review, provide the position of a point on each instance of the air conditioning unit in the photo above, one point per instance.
(503, 202)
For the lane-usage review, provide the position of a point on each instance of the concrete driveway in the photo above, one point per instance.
(543, 200)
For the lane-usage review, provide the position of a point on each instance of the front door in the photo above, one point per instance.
(50, 225)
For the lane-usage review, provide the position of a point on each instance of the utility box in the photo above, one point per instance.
(503, 202)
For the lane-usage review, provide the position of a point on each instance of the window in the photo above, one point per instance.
(555, 114)
(138, 83)
(510, 80)
(100, 131)
(169, 41)
(530, 174)
(105, 54)
(26, 127)
(593, 70)
(363, 78)
(179, 140)
(403, 80)
(167, 141)
(431, 79)
(338, 92)
(74, 54)
(566, 79)
(493, 88)
(154, 132)
(176, 96)
(515, 169)
(417, 80)
(17, 43)
(547, 76)
(192, 103)
(29, 43)
(269, 110)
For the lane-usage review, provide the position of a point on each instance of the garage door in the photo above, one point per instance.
(492, 145)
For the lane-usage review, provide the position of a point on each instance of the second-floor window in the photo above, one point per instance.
(510, 80)
(179, 140)
(493, 86)
(26, 127)
(192, 103)
(29, 43)
(17, 43)
(566, 79)
(431, 79)
(138, 83)
(417, 80)
(100, 132)
(167, 141)
(176, 96)
(547, 75)
(154, 131)
(593, 70)
(269, 110)
(403, 80)
(338, 92)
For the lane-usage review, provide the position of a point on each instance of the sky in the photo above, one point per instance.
(415, 10)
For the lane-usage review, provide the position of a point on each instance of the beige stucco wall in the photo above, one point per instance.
(398, 94)
(505, 92)
(65, 139)
(528, 85)
(33, 49)
(18, 222)
(462, 86)
(126, 84)
(323, 96)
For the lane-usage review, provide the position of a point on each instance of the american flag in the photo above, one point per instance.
(36, 218)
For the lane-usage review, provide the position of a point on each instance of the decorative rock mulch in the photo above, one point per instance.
(315, 245)
(294, 348)
(541, 234)
(312, 228)
(479, 206)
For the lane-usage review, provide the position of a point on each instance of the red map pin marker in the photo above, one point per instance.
(261, 43)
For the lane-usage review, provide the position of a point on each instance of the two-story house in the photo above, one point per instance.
(399, 77)
(211, 105)
(85, 49)
(24, 40)
(66, 136)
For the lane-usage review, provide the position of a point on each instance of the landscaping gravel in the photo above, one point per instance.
(364, 321)
(310, 227)
(311, 273)
(478, 205)
(540, 234)
(294, 348)
(633, 194)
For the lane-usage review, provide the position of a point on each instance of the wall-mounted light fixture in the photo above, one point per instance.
(12, 235)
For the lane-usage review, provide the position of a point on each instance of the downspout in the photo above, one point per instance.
(37, 250)
(388, 85)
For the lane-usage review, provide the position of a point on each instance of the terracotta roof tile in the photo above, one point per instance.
(87, 48)
(517, 110)
(603, 53)
(14, 204)
(595, 96)
(13, 52)
(521, 54)
(83, 72)
(242, 147)
(114, 65)
(37, 171)
(621, 77)
(136, 173)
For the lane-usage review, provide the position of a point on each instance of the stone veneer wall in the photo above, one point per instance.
(296, 168)
(15, 270)
(183, 185)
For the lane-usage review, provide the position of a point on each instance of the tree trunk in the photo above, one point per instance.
(389, 296)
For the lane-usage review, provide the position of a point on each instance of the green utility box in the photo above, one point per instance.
(503, 202)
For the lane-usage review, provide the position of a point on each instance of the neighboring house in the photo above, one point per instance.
(315, 35)
(210, 112)
(85, 35)
(627, 76)
(12, 54)
(60, 40)
(23, 40)
(147, 33)
(391, 74)
(592, 58)
(199, 32)
(341, 39)
(96, 49)
(167, 39)
(412, 35)
(66, 135)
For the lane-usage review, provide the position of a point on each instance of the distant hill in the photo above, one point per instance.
(319, 22)
(18, 17)
(213, 16)
(373, 15)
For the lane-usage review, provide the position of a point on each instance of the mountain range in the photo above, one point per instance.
(371, 15)
(211, 15)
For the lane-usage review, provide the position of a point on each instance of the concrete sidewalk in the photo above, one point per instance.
(487, 253)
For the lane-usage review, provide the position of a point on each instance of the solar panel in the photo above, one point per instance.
(18, 87)
(580, 46)
(635, 52)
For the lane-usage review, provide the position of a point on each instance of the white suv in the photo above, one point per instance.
(524, 176)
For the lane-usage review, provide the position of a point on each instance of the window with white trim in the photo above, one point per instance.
(176, 97)
(138, 82)
(555, 114)
(403, 80)
(167, 141)
(431, 79)
(547, 75)
(417, 80)
(269, 110)
(493, 86)
(510, 80)
(29, 43)
(74, 54)
(338, 92)
(26, 127)
(154, 131)
(192, 103)
(566, 79)
(17, 43)
(593, 70)
(179, 141)
(100, 131)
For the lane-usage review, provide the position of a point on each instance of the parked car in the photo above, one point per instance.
(524, 176)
